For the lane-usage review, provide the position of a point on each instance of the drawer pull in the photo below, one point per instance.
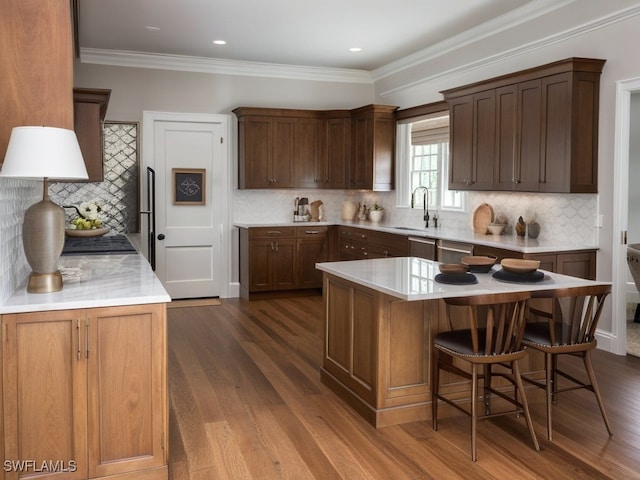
(274, 232)
(311, 232)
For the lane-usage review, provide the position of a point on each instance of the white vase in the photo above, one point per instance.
(376, 215)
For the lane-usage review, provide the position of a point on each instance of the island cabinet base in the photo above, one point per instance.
(377, 353)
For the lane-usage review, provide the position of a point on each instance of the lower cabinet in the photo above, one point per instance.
(281, 258)
(85, 392)
(580, 264)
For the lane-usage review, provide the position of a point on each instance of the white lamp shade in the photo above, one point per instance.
(44, 152)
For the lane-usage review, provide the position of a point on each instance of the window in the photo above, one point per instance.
(423, 160)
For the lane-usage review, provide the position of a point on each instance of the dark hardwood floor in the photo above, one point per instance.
(246, 402)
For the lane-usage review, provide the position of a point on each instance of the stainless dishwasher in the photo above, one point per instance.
(452, 252)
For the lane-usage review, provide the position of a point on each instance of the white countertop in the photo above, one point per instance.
(509, 242)
(411, 278)
(94, 281)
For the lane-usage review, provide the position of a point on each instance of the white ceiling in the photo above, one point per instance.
(293, 32)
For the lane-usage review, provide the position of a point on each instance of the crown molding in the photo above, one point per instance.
(509, 20)
(221, 66)
(521, 50)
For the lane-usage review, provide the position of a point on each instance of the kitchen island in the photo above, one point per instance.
(84, 373)
(380, 318)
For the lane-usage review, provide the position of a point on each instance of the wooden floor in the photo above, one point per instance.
(246, 402)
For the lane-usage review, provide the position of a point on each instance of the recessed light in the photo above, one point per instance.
(219, 42)
(355, 49)
(152, 29)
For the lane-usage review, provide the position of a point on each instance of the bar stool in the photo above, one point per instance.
(568, 329)
(493, 338)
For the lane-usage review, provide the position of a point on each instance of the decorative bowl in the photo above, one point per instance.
(496, 228)
(479, 263)
(94, 232)
(519, 265)
(453, 268)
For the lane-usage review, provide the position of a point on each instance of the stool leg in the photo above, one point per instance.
(435, 382)
(474, 409)
(549, 389)
(525, 405)
(594, 385)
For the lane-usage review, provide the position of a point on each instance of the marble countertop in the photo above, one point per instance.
(94, 281)
(509, 242)
(411, 278)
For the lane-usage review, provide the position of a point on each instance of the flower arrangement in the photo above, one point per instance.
(88, 216)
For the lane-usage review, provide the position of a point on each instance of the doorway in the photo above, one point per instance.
(189, 153)
(626, 219)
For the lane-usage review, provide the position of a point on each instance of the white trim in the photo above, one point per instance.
(227, 287)
(500, 57)
(621, 211)
(221, 66)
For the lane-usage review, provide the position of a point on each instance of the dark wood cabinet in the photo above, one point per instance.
(312, 247)
(373, 131)
(338, 150)
(90, 109)
(545, 124)
(284, 148)
(360, 243)
(472, 133)
(580, 264)
(274, 259)
(266, 149)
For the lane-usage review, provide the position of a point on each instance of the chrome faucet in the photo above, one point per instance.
(425, 204)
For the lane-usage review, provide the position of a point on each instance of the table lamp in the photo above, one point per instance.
(43, 153)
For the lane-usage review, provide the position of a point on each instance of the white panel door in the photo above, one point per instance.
(188, 213)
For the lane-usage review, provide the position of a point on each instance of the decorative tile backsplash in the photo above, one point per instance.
(117, 195)
(565, 218)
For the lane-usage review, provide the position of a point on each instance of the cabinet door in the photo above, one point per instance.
(45, 392)
(580, 264)
(284, 264)
(506, 135)
(338, 149)
(90, 107)
(529, 140)
(308, 153)
(282, 156)
(259, 254)
(127, 389)
(473, 140)
(311, 250)
(556, 133)
(360, 163)
(254, 152)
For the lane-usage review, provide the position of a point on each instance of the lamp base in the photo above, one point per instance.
(44, 282)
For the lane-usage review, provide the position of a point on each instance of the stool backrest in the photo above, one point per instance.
(496, 321)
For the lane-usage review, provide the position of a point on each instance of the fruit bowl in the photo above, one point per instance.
(479, 263)
(519, 265)
(93, 232)
(453, 268)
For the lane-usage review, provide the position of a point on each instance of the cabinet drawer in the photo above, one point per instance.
(270, 232)
(311, 232)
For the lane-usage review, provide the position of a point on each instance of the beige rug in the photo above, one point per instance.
(193, 302)
(633, 339)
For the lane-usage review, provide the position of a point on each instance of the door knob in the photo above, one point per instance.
(161, 236)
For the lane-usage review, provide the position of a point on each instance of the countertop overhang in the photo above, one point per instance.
(94, 281)
(412, 279)
(508, 242)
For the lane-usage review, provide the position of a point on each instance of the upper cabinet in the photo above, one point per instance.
(373, 131)
(337, 149)
(535, 130)
(90, 108)
(36, 83)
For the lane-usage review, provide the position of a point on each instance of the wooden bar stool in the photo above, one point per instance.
(493, 337)
(568, 329)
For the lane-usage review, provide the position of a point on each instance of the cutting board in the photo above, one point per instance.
(482, 216)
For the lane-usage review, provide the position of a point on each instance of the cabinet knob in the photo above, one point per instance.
(161, 236)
